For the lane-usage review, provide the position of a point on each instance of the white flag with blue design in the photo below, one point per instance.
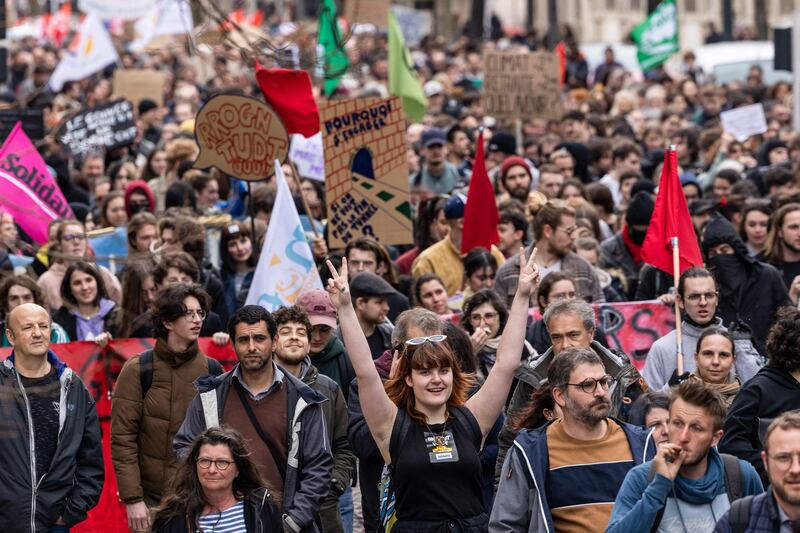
(286, 267)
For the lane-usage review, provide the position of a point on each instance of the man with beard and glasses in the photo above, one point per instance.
(750, 292)
(689, 485)
(623, 251)
(279, 416)
(778, 509)
(697, 298)
(292, 347)
(580, 459)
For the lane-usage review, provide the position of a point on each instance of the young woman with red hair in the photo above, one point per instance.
(423, 421)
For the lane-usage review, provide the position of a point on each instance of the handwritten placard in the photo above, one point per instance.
(306, 153)
(367, 12)
(366, 170)
(744, 122)
(108, 126)
(241, 136)
(522, 85)
(136, 84)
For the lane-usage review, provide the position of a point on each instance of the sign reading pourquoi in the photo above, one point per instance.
(241, 136)
(366, 170)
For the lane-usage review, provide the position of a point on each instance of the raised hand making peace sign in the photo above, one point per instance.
(338, 286)
(528, 273)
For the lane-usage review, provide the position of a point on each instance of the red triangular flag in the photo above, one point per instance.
(480, 214)
(671, 219)
(289, 93)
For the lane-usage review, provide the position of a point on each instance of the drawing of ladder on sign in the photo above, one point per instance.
(391, 200)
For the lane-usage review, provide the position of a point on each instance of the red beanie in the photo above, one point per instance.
(512, 161)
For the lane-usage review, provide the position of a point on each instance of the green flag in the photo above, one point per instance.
(403, 80)
(657, 37)
(336, 62)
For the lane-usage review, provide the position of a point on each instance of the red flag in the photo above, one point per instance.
(480, 214)
(671, 219)
(289, 93)
(561, 50)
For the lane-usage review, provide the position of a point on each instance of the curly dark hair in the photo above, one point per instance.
(484, 296)
(252, 314)
(187, 497)
(284, 315)
(783, 340)
(169, 305)
(181, 261)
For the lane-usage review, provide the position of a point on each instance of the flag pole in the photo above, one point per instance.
(306, 207)
(676, 269)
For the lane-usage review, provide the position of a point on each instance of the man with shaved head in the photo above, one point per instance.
(51, 460)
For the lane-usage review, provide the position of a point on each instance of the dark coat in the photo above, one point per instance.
(260, 516)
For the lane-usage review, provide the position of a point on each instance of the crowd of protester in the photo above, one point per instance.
(417, 393)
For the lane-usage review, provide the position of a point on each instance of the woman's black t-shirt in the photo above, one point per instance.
(437, 469)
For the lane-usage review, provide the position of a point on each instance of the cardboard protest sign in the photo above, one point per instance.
(307, 155)
(241, 136)
(522, 85)
(32, 122)
(28, 190)
(108, 126)
(367, 12)
(366, 171)
(136, 84)
(744, 122)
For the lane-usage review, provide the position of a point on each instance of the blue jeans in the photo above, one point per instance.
(346, 509)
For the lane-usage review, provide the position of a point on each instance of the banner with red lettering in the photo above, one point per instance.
(99, 368)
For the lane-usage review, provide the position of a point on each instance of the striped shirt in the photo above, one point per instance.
(585, 476)
(231, 520)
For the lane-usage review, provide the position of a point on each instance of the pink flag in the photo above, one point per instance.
(27, 189)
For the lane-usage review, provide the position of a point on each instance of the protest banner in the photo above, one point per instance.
(375, 12)
(165, 18)
(744, 122)
(32, 122)
(630, 327)
(286, 266)
(110, 246)
(523, 85)
(307, 155)
(366, 170)
(414, 23)
(99, 368)
(135, 84)
(27, 188)
(104, 127)
(241, 136)
(116, 9)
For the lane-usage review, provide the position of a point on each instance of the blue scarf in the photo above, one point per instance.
(703, 490)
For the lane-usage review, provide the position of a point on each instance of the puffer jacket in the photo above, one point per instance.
(142, 428)
(72, 485)
(309, 464)
(627, 384)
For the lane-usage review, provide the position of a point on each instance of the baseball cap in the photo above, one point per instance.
(317, 305)
(433, 136)
(454, 207)
(366, 284)
(433, 88)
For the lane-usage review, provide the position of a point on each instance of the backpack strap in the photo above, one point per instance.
(146, 372)
(399, 431)
(214, 366)
(467, 420)
(739, 514)
(733, 477)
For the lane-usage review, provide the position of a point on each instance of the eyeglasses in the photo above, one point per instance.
(568, 230)
(589, 385)
(784, 460)
(74, 236)
(416, 341)
(191, 313)
(697, 296)
(476, 317)
(221, 464)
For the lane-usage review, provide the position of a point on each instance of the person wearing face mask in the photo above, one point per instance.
(139, 197)
(624, 250)
(750, 292)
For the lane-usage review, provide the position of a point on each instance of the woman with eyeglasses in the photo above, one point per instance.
(485, 317)
(218, 488)
(87, 313)
(423, 423)
(71, 245)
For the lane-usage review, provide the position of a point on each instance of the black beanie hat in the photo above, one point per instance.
(640, 210)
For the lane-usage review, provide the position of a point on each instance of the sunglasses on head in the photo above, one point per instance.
(416, 341)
